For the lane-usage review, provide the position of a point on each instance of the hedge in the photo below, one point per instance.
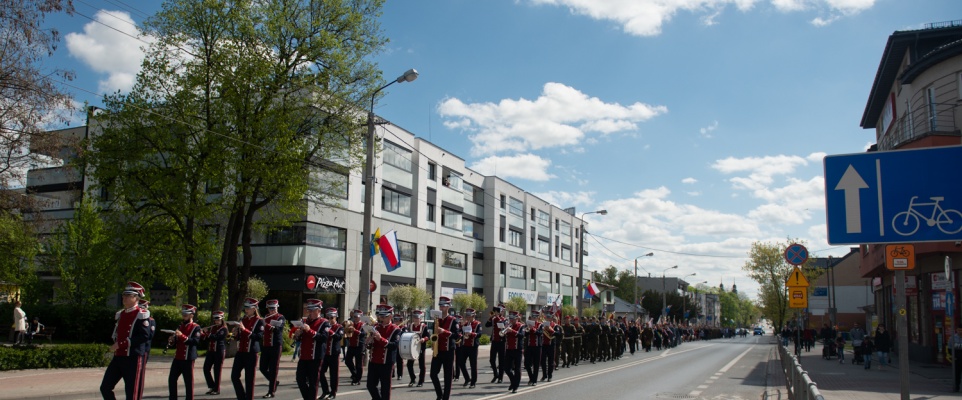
(59, 356)
(76, 324)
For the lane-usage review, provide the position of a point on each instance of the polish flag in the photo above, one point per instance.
(389, 250)
(593, 289)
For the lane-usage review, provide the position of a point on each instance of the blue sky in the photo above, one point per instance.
(700, 125)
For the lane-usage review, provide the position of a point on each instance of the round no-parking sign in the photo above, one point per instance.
(796, 254)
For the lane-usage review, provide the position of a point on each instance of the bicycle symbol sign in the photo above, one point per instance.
(893, 196)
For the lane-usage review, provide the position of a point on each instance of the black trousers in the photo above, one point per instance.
(270, 363)
(399, 365)
(213, 365)
(306, 375)
(497, 359)
(632, 343)
(513, 367)
(245, 362)
(331, 365)
(379, 375)
(532, 359)
(127, 368)
(469, 355)
(957, 359)
(445, 360)
(420, 374)
(355, 363)
(180, 368)
(547, 361)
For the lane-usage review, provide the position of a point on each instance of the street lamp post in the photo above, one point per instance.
(581, 259)
(664, 293)
(364, 295)
(636, 282)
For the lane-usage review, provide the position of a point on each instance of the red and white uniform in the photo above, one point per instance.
(493, 323)
(310, 346)
(514, 336)
(447, 326)
(381, 353)
(130, 321)
(468, 339)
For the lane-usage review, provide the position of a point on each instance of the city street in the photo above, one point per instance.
(724, 368)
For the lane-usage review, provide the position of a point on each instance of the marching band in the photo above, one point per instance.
(543, 343)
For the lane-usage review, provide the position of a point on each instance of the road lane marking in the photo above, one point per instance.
(721, 371)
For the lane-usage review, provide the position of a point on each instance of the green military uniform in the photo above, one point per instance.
(604, 334)
(576, 351)
(591, 340)
(567, 344)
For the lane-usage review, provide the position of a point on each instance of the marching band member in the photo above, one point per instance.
(216, 336)
(144, 305)
(514, 339)
(354, 360)
(551, 332)
(273, 346)
(250, 331)
(447, 332)
(532, 349)
(383, 342)
(469, 348)
(313, 334)
(332, 356)
(185, 340)
(496, 356)
(131, 334)
(398, 320)
(421, 328)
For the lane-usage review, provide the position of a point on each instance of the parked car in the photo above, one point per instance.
(758, 331)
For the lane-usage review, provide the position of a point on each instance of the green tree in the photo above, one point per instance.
(622, 280)
(517, 303)
(767, 266)
(569, 311)
(257, 288)
(81, 252)
(251, 108)
(19, 247)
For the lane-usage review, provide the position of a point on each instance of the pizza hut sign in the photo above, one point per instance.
(325, 284)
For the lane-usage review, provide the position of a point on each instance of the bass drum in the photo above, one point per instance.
(410, 346)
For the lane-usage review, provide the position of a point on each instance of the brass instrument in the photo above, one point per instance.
(434, 336)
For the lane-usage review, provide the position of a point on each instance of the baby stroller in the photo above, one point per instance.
(829, 350)
(857, 358)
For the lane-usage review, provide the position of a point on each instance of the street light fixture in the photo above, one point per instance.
(664, 293)
(581, 259)
(636, 282)
(364, 295)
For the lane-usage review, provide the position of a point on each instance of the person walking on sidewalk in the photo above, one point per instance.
(840, 345)
(956, 346)
(883, 345)
(19, 323)
(868, 347)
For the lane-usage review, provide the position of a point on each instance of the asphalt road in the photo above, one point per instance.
(717, 369)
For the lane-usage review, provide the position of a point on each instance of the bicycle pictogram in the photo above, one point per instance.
(907, 222)
(900, 251)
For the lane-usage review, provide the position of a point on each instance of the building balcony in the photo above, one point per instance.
(53, 179)
(918, 124)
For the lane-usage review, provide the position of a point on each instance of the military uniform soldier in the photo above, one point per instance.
(578, 347)
(590, 340)
(568, 343)
(604, 348)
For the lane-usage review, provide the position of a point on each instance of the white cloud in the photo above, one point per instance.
(561, 116)
(647, 17)
(689, 180)
(706, 131)
(524, 166)
(568, 199)
(105, 50)
(761, 169)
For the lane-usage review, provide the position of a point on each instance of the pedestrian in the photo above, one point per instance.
(144, 306)
(534, 335)
(184, 340)
(131, 334)
(273, 345)
(331, 363)
(469, 348)
(354, 359)
(398, 320)
(548, 330)
(216, 336)
(513, 344)
(19, 323)
(383, 341)
(34, 328)
(883, 345)
(868, 347)
(496, 322)
(313, 333)
(249, 333)
(956, 345)
(418, 326)
(840, 346)
(447, 332)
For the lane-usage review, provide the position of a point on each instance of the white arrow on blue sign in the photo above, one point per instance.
(894, 196)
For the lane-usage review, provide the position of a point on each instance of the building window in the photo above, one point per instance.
(516, 207)
(501, 229)
(933, 112)
(395, 202)
(565, 229)
(432, 171)
(532, 213)
(544, 247)
(565, 253)
(450, 218)
(532, 239)
(544, 219)
(431, 211)
(454, 260)
(408, 250)
(514, 238)
(501, 203)
(327, 236)
(473, 229)
(431, 256)
(397, 156)
(516, 271)
(556, 226)
(330, 182)
(556, 246)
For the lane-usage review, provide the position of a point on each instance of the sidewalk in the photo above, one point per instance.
(84, 383)
(853, 382)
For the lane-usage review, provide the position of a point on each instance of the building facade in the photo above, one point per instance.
(914, 103)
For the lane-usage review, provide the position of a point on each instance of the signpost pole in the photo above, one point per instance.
(902, 330)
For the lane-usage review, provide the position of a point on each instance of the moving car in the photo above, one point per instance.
(758, 331)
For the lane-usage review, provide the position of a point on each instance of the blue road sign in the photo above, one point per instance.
(796, 254)
(894, 196)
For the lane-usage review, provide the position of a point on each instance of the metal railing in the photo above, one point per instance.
(800, 386)
(918, 124)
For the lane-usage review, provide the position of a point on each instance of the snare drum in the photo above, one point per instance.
(410, 346)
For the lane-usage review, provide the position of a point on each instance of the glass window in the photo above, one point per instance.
(395, 202)
(431, 258)
(286, 235)
(473, 229)
(430, 213)
(516, 271)
(544, 219)
(468, 228)
(516, 207)
(933, 112)
(565, 228)
(532, 236)
(514, 238)
(501, 202)
(544, 247)
(432, 171)
(409, 251)
(330, 182)
(451, 219)
(532, 213)
(397, 156)
(454, 260)
(327, 236)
